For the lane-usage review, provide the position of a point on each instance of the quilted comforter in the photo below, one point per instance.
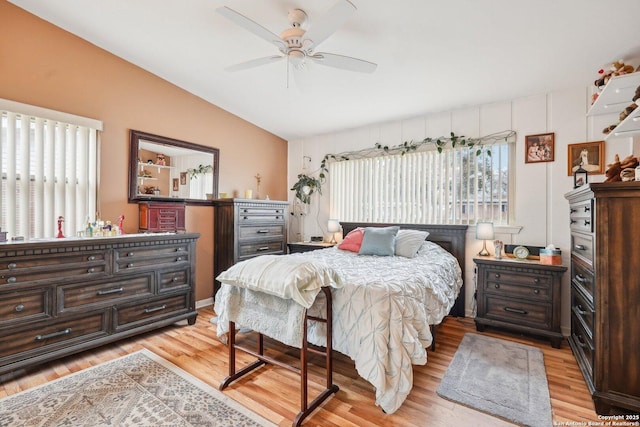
(381, 315)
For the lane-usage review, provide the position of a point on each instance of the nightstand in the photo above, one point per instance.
(521, 295)
(308, 246)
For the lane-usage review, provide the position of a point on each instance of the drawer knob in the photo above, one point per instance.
(91, 258)
(497, 276)
(130, 254)
(91, 270)
(19, 308)
(587, 222)
(11, 280)
(581, 311)
(278, 217)
(580, 278)
(245, 217)
(175, 279)
(580, 247)
(180, 249)
(536, 280)
(497, 286)
(536, 291)
(573, 221)
(572, 210)
(587, 209)
(178, 259)
(130, 265)
(53, 335)
(12, 266)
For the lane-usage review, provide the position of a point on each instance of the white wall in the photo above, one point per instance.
(540, 207)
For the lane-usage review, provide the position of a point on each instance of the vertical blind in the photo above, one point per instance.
(49, 169)
(452, 187)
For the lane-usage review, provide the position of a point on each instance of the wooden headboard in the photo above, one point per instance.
(451, 237)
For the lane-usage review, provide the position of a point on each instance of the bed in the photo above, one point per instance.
(383, 308)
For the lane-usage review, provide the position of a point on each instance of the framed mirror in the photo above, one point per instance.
(167, 169)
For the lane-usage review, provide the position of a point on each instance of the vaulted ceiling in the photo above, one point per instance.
(431, 55)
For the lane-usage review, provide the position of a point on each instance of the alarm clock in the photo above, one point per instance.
(520, 252)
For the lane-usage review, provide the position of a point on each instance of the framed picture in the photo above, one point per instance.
(176, 184)
(588, 154)
(183, 178)
(539, 148)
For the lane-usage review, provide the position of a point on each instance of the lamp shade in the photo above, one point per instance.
(484, 231)
(333, 226)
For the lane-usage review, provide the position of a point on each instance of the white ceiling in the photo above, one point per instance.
(432, 55)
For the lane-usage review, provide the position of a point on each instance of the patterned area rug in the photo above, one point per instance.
(140, 389)
(501, 378)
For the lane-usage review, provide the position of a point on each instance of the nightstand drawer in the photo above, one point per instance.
(252, 215)
(518, 312)
(518, 285)
(582, 246)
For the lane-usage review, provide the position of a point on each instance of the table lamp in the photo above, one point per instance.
(484, 232)
(333, 226)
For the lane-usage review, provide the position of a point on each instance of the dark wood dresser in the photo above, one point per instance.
(158, 217)
(605, 291)
(519, 295)
(245, 228)
(63, 296)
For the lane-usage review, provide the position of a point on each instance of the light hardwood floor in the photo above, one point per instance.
(273, 392)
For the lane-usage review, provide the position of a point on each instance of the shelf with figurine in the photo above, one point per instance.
(618, 92)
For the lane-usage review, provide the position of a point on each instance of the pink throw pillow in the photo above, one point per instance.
(353, 240)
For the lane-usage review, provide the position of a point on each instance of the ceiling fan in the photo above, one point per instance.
(298, 45)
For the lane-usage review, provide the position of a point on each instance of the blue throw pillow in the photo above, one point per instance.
(379, 241)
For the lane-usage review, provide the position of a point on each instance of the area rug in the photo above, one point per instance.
(501, 378)
(140, 389)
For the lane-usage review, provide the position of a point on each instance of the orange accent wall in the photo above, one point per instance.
(43, 65)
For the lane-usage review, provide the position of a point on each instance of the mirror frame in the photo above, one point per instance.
(134, 141)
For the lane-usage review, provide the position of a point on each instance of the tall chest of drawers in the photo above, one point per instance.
(605, 291)
(62, 296)
(245, 228)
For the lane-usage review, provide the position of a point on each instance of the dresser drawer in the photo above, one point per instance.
(150, 258)
(583, 311)
(43, 268)
(128, 316)
(518, 312)
(582, 246)
(25, 304)
(520, 285)
(581, 216)
(256, 231)
(46, 336)
(582, 278)
(252, 215)
(173, 280)
(103, 293)
(582, 345)
(250, 250)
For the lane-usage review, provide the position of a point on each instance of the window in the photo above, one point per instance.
(48, 162)
(452, 187)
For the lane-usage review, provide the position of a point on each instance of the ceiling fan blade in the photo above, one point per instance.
(254, 63)
(251, 26)
(343, 62)
(327, 24)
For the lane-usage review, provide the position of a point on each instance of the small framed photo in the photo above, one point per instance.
(588, 154)
(176, 184)
(539, 148)
(183, 178)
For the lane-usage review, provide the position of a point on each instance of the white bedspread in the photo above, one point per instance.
(381, 315)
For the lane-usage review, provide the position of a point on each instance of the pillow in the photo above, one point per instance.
(409, 241)
(352, 241)
(379, 241)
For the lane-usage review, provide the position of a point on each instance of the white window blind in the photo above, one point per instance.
(452, 187)
(49, 169)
